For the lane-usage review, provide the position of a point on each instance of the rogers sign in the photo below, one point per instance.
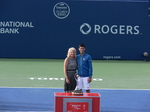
(85, 29)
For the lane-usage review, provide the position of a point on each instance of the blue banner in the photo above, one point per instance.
(47, 28)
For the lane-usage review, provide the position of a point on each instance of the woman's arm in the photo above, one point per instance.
(65, 70)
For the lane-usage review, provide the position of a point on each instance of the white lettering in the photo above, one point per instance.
(97, 29)
(15, 24)
(122, 29)
(9, 30)
(12, 27)
(113, 29)
(105, 29)
(136, 30)
(129, 30)
(116, 29)
(111, 57)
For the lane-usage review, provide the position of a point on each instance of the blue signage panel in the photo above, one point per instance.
(47, 28)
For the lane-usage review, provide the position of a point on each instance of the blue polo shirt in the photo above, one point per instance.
(84, 65)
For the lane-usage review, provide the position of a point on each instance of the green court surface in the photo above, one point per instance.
(48, 73)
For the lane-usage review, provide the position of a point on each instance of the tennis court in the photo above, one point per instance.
(29, 84)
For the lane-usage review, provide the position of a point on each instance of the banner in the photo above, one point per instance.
(117, 29)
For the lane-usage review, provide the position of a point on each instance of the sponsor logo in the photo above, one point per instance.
(111, 57)
(12, 27)
(85, 29)
(61, 10)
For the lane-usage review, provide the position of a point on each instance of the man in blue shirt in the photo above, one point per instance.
(84, 69)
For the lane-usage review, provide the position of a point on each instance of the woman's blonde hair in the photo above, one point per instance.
(69, 51)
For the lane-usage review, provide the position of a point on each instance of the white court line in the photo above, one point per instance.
(57, 79)
(107, 89)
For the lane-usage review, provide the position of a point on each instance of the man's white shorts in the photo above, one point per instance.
(83, 81)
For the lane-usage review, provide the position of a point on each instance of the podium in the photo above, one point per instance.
(66, 102)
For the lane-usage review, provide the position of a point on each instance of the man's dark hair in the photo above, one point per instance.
(82, 45)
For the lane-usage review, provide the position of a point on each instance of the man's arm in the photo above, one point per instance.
(90, 69)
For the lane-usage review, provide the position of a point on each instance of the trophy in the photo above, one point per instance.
(77, 90)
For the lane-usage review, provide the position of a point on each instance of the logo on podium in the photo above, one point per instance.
(77, 105)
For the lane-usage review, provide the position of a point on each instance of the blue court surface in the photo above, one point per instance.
(42, 100)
